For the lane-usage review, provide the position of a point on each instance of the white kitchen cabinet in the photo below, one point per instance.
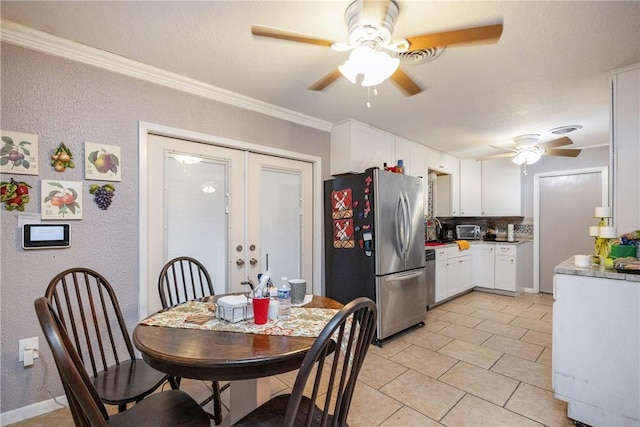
(501, 188)
(596, 348)
(458, 274)
(356, 146)
(442, 286)
(447, 197)
(484, 265)
(508, 277)
(453, 271)
(470, 187)
(414, 157)
(625, 147)
(442, 162)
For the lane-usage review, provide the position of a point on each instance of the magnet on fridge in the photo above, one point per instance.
(357, 228)
(368, 180)
(361, 242)
(355, 203)
(361, 215)
(366, 227)
(366, 190)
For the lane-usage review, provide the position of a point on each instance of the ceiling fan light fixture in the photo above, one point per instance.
(528, 157)
(374, 65)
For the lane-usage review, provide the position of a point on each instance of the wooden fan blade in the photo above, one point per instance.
(404, 83)
(560, 142)
(374, 11)
(504, 148)
(275, 33)
(326, 80)
(562, 152)
(496, 156)
(487, 34)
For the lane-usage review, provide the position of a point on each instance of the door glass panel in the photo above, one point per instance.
(281, 231)
(196, 219)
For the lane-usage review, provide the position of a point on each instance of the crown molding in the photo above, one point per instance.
(26, 37)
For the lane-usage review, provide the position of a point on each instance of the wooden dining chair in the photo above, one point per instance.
(87, 306)
(168, 408)
(328, 374)
(185, 279)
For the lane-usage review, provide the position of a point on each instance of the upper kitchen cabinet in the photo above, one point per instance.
(356, 146)
(470, 187)
(501, 188)
(414, 157)
(625, 147)
(447, 188)
(442, 162)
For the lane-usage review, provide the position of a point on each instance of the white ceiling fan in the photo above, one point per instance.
(375, 54)
(527, 150)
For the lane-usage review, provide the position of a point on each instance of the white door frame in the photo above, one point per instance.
(604, 174)
(146, 128)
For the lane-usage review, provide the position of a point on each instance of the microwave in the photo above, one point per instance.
(468, 232)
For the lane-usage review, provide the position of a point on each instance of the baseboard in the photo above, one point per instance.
(34, 410)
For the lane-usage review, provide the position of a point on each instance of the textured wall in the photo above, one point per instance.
(63, 101)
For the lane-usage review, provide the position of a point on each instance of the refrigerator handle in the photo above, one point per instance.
(408, 224)
(403, 277)
(400, 224)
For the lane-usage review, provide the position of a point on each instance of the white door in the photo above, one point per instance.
(566, 203)
(229, 208)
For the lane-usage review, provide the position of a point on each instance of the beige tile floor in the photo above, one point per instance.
(481, 360)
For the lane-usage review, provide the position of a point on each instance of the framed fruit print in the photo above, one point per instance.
(61, 199)
(19, 153)
(102, 162)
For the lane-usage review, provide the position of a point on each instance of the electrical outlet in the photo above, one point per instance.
(27, 344)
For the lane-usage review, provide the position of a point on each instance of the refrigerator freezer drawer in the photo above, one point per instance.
(401, 301)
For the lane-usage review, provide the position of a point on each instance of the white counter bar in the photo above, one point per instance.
(596, 344)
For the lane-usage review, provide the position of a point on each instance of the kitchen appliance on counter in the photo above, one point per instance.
(468, 232)
(374, 245)
(447, 233)
(432, 230)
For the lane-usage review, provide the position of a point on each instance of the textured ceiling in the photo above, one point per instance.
(550, 68)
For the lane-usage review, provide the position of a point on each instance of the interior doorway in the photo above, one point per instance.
(564, 204)
(231, 207)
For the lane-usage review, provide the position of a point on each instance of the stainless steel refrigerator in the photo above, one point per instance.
(374, 245)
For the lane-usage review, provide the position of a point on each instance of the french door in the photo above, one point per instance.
(239, 213)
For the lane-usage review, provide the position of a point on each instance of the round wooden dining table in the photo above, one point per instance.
(243, 358)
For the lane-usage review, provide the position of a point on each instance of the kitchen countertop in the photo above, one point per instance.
(568, 267)
(475, 242)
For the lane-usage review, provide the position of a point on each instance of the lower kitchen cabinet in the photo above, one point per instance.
(458, 270)
(442, 286)
(483, 265)
(504, 267)
(508, 275)
(453, 272)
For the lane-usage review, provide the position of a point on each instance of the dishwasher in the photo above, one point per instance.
(430, 273)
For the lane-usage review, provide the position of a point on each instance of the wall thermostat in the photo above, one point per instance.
(46, 236)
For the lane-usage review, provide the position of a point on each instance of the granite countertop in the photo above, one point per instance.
(568, 267)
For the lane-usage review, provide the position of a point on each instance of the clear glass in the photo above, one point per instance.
(281, 222)
(196, 220)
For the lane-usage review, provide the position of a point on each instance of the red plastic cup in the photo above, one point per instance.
(260, 310)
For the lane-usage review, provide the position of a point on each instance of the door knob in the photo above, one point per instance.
(253, 262)
(240, 262)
